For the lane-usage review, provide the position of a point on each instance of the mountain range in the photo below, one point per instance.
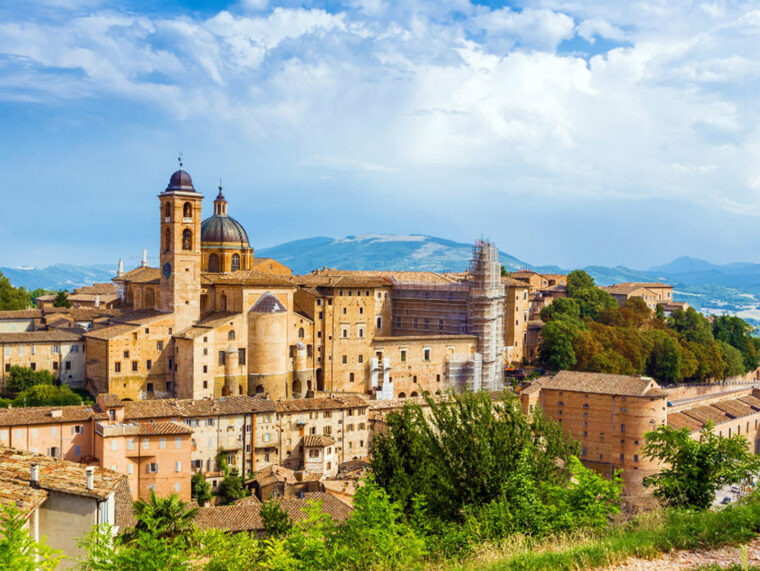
(712, 288)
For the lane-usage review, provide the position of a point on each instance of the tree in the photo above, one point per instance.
(12, 298)
(23, 378)
(18, 551)
(636, 310)
(276, 520)
(231, 486)
(61, 299)
(664, 361)
(163, 518)
(200, 489)
(695, 469)
(562, 307)
(733, 359)
(736, 332)
(464, 452)
(556, 346)
(591, 300)
(47, 395)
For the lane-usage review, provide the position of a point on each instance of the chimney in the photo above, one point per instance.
(34, 475)
(90, 471)
(97, 300)
(145, 259)
(120, 271)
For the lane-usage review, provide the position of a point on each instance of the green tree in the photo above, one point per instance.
(276, 520)
(737, 333)
(555, 349)
(664, 360)
(61, 299)
(691, 325)
(12, 298)
(635, 310)
(733, 359)
(591, 300)
(47, 395)
(562, 307)
(163, 518)
(231, 486)
(18, 551)
(695, 469)
(23, 378)
(200, 489)
(144, 551)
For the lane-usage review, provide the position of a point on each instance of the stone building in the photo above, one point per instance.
(653, 293)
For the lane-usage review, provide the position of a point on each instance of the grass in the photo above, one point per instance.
(645, 536)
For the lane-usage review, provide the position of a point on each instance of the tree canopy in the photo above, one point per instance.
(12, 298)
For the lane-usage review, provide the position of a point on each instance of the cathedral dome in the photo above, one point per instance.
(181, 180)
(223, 228)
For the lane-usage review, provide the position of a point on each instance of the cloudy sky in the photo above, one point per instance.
(570, 132)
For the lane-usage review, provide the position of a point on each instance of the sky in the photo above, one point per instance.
(570, 132)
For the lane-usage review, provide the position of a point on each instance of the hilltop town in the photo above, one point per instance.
(220, 369)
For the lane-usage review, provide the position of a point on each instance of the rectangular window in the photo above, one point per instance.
(114, 445)
(403, 355)
(379, 323)
(148, 364)
(126, 354)
(77, 450)
(178, 442)
(150, 387)
(622, 428)
(77, 429)
(55, 349)
(241, 356)
(152, 468)
(426, 354)
(146, 444)
(178, 466)
(267, 437)
(160, 345)
(68, 365)
(55, 366)
(117, 367)
(131, 444)
(33, 366)
(221, 357)
(210, 422)
(345, 359)
(205, 368)
(162, 443)
(134, 365)
(129, 468)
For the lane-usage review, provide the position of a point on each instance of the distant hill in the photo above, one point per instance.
(378, 252)
(59, 276)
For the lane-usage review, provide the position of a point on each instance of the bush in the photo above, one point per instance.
(23, 378)
(47, 395)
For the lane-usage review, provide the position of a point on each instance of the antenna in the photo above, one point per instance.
(179, 160)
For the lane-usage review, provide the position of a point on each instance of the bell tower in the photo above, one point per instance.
(180, 290)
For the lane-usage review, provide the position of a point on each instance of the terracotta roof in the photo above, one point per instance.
(706, 414)
(188, 408)
(317, 441)
(624, 289)
(247, 517)
(511, 282)
(127, 323)
(431, 338)
(734, 407)
(57, 475)
(645, 284)
(45, 415)
(337, 279)
(248, 277)
(140, 276)
(401, 277)
(273, 473)
(751, 400)
(601, 383)
(680, 420)
(100, 289)
(207, 325)
(48, 336)
(22, 495)
(141, 428)
(21, 314)
(297, 405)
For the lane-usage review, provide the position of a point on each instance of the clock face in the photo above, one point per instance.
(167, 269)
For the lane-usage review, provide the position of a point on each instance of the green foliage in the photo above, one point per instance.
(200, 489)
(556, 347)
(22, 378)
(144, 551)
(276, 520)
(664, 362)
(163, 518)
(221, 462)
(696, 469)
(466, 454)
(61, 299)
(563, 307)
(591, 300)
(18, 551)
(737, 333)
(47, 395)
(231, 486)
(39, 292)
(12, 298)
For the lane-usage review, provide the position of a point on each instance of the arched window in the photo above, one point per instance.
(168, 211)
(187, 239)
(402, 395)
(187, 210)
(167, 239)
(414, 394)
(231, 336)
(223, 302)
(300, 332)
(213, 263)
(235, 264)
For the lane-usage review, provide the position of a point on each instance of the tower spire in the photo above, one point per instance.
(220, 204)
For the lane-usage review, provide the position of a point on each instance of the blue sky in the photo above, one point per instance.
(570, 132)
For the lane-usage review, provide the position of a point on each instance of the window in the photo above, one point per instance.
(149, 387)
(361, 358)
(152, 468)
(178, 466)
(235, 262)
(379, 323)
(426, 354)
(360, 332)
(148, 364)
(117, 367)
(327, 430)
(114, 445)
(162, 443)
(33, 366)
(267, 437)
(205, 368)
(126, 354)
(131, 444)
(403, 355)
(345, 359)
(221, 357)
(205, 383)
(78, 429)
(187, 239)
(55, 349)
(160, 345)
(350, 377)
(301, 332)
(134, 365)
(622, 428)
(77, 450)
(344, 311)
(209, 422)
(55, 366)
(231, 336)
(146, 444)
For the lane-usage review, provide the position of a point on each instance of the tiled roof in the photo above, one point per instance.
(601, 383)
(100, 289)
(127, 323)
(716, 412)
(48, 336)
(207, 324)
(680, 420)
(188, 408)
(401, 277)
(297, 405)
(734, 407)
(336, 278)
(645, 284)
(21, 314)
(57, 475)
(624, 289)
(248, 277)
(140, 276)
(751, 400)
(511, 282)
(142, 428)
(317, 441)
(706, 414)
(247, 517)
(274, 473)
(432, 338)
(45, 415)
(22, 495)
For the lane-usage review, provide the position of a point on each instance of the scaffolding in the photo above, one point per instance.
(430, 309)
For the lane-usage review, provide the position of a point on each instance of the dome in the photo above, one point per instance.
(222, 228)
(181, 180)
(268, 303)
